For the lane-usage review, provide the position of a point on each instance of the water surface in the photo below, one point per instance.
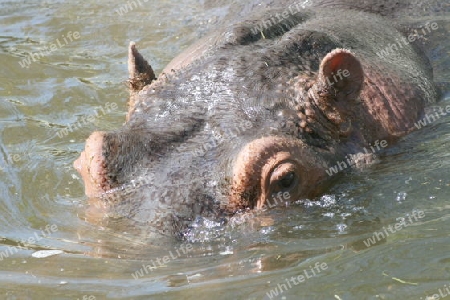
(41, 106)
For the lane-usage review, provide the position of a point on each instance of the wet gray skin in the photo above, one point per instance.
(245, 115)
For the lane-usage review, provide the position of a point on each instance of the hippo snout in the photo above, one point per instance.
(90, 165)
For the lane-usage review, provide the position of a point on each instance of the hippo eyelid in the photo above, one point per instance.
(279, 173)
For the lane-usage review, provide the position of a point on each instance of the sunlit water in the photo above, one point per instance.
(42, 205)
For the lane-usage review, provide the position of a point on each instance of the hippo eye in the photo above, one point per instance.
(287, 181)
(284, 178)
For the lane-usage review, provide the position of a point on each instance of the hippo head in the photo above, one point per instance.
(237, 121)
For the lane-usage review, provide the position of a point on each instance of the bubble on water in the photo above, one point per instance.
(401, 197)
(345, 215)
(309, 203)
(205, 230)
(46, 253)
(342, 228)
(205, 223)
(325, 201)
(267, 230)
(328, 200)
(228, 251)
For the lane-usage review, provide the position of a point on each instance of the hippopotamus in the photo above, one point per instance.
(258, 112)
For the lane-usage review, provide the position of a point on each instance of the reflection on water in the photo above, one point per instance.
(245, 259)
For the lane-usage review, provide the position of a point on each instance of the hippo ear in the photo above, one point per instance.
(337, 88)
(340, 76)
(141, 73)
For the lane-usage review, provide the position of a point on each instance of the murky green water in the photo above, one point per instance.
(42, 202)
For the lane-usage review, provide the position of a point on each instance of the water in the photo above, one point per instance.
(42, 204)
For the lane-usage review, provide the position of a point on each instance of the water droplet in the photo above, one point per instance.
(401, 196)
